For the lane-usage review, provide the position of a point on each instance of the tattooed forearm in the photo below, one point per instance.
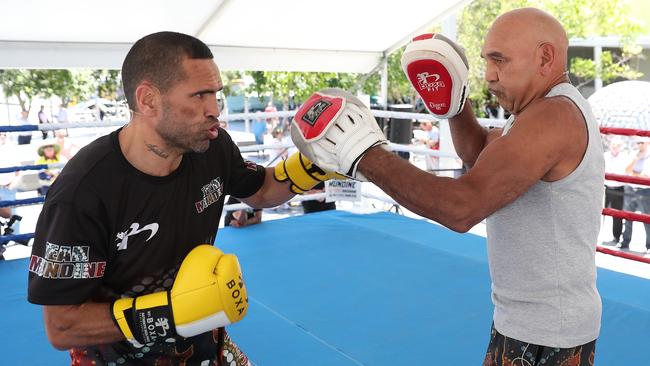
(156, 150)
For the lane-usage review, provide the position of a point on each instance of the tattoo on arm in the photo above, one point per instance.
(156, 150)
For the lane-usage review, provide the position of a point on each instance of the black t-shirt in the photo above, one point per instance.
(108, 230)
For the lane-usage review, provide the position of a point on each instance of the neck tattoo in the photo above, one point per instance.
(156, 150)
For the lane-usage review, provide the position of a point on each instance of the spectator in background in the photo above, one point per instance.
(287, 139)
(432, 141)
(273, 121)
(48, 154)
(259, 129)
(24, 137)
(637, 197)
(62, 116)
(275, 155)
(42, 119)
(7, 181)
(616, 161)
(67, 150)
(241, 218)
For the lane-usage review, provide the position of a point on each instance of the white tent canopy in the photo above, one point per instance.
(272, 35)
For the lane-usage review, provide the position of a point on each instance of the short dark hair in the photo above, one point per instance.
(158, 59)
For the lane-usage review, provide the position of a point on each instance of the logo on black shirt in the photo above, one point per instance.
(250, 165)
(211, 194)
(66, 262)
(123, 236)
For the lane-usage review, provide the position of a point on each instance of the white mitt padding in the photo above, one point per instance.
(438, 70)
(333, 129)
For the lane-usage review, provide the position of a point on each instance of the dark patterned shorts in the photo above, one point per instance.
(504, 351)
(231, 355)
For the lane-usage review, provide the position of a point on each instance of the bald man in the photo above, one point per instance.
(539, 183)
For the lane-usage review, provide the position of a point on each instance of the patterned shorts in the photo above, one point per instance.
(231, 355)
(504, 351)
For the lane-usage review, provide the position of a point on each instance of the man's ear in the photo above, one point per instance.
(547, 58)
(148, 99)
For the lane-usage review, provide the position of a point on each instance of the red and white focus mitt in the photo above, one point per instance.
(438, 70)
(333, 129)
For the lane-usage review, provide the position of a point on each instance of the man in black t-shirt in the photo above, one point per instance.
(113, 238)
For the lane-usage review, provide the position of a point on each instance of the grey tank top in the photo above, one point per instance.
(542, 247)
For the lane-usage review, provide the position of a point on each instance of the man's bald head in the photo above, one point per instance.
(530, 27)
(526, 53)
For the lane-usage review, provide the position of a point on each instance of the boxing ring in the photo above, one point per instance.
(338, 288)
(343, 288)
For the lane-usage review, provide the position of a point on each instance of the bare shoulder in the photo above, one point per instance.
(554, 112)
(559, 130)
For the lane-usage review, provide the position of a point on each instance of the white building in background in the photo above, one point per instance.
(593, 47)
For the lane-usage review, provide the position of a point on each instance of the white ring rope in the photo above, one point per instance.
(236, 116)
(416, 149)
(297, 198)
(312, 196)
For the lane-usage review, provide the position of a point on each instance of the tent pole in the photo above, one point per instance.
(384, 81)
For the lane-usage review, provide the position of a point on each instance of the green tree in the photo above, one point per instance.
(25, 85)
(300, 85)
(106, 83)
(399, 88)
(69, 85)
(22, 84)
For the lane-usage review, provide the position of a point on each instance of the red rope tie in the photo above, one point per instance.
(632, 216)
(623, 131)
(628, 179)
(621, 254)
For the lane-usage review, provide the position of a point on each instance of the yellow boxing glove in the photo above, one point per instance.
(302, 173)
(208, 293)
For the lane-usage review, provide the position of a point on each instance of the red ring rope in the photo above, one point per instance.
(632, 216)
(625, 255)
(623, 131)
(628, 179)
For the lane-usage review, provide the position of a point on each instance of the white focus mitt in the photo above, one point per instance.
(438, 70)
(333, 129)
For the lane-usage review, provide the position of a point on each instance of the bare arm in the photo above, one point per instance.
(468, 135)
(535, 148)
(630, 168)
(271, 194)
(87, 324)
